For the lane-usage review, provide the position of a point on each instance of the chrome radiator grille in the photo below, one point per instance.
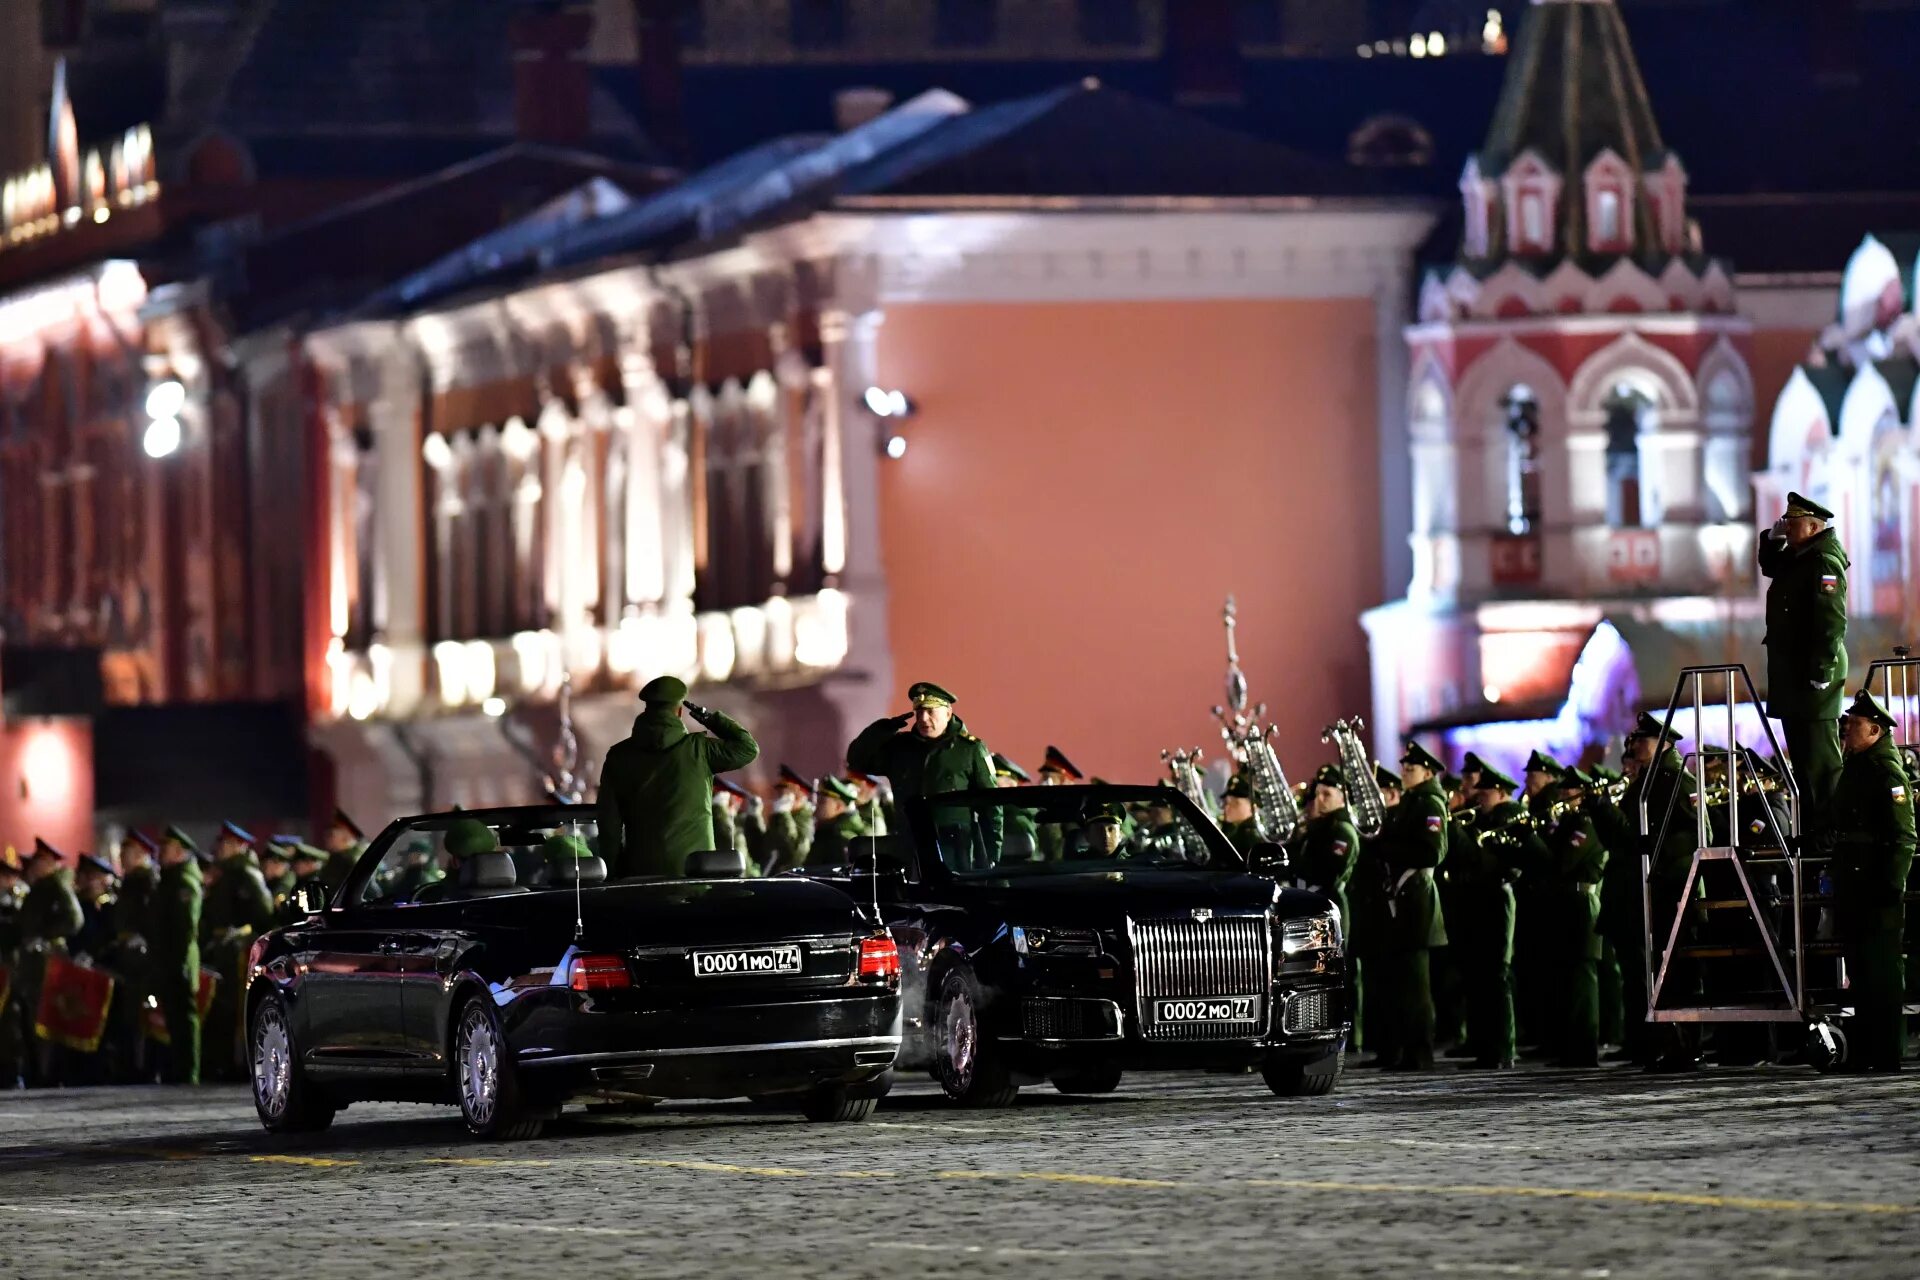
(1217, 956)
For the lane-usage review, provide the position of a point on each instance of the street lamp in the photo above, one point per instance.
(165, 400)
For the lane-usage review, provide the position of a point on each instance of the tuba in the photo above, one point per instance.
(1363, 789)
(1274, 802)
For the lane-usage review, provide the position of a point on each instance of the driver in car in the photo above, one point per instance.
(1105, 836)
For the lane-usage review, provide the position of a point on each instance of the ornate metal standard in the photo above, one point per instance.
(1248, 742)
(1363, 789)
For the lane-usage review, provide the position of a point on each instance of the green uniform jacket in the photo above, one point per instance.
(656, 790)
(955, 761)
(1872, 822)
(1329, 847)
(239, 906)
(1483, 869)
(1620, 907)
(133, 909)
(1806, 636)
(831, 838)
(281, 888)
(789, 836)
(174, 946)
(1667, 775)
(1243, 836)
(51, 912)
(1414, 842)
(1576, 865)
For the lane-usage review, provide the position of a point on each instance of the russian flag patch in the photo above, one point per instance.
(1435, 821)
(1579, 838)
(1339, 846)
(1899, 795)
(1829, 582)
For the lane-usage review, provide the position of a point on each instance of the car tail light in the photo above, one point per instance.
(879, 958)
(598, 973)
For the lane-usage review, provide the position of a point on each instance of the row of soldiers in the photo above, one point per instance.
(129, 966)
(1493, 913)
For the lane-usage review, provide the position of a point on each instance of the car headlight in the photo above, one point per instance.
(1029, 940)
(1310, 933)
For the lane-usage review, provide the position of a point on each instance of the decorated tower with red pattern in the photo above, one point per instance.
(1580, 409)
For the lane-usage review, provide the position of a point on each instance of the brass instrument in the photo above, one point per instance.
(1363, 789)
(1249, 743)
(1183, 770)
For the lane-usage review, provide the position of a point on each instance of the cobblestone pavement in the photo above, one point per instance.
(1758, 1174)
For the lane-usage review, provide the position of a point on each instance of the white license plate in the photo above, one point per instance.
(1208, 1009)
(737, 962)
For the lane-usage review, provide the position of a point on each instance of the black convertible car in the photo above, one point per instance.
(513, 980)
(1053, 933)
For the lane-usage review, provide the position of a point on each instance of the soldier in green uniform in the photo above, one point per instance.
(738, 822)
(50, 918)
(1806, 640)
(790, 826)
(1660, 778)
(1055, 771)
(1328, 846)
(1576, 863)
(237, 907)
(344, 844)
(1449, 997)
(1023, 826)
(174, 952)
(1238, 822)
(656, 787)
(927, 752)
(1484, 867)
(1413, 843)
(307, 861)
(874, 805)
(1869, 827)
(1623, 958)
(131, 926)
(1533, 996)
(836, 825)
(276, 868)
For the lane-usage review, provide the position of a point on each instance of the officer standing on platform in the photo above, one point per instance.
(1806, 641)
(174, 953)
(1870, 830)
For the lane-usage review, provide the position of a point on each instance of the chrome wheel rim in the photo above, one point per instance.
(479, 1066)
(960, 1034)
(272, 1061)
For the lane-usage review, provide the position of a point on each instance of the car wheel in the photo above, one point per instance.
(1095, 1079)
(1305, 1077)
(833, 1104)
(486, 1081)
(287, 1103)
(966, 1063)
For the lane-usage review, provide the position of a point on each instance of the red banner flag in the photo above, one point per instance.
(155, 1021)
(74, 999)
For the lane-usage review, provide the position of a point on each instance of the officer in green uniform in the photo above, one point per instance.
(1533, 996)
(1055, 771)
(1238, 822)
(790, 825)
(1576, 863)
(50, 918)
(1623, 959)
(1022, 825)
(656, 787)
(1328, 845)
(307, 862)
(927, 752)
(1869, 828)
(1485, 867)
(237, 907)
(1806, 640)
(874, 806)
(344, 844)
(132, 925)
(1449, 1007)
(174, 952)
(1413, 843)
(836, 825)
(739, 823)
(276, 868)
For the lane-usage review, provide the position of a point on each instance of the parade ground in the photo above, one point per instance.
(1762, 1173)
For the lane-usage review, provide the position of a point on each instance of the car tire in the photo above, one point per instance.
(834, 1104)
(286, 1101)
(486, 1083)
(1305, 1077)
(1101, 1078)
(965, 1062)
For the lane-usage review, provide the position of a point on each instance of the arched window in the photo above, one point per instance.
(1522, 410)
(1627, 410)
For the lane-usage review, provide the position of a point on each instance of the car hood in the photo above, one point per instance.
(1097, 897)
(679, 912)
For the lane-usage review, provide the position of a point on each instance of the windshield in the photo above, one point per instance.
(1069, 830)
(418, 865)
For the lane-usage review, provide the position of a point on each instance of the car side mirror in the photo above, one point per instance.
(1267, 854)
(310, 897)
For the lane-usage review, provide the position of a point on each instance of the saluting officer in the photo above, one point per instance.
(790, 826)
(1413, 843)
(1806, 640)
(656, 787)
(1870, 829)
(927, 752)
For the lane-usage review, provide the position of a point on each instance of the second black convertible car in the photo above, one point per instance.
(1071, 934)
(514, 979)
